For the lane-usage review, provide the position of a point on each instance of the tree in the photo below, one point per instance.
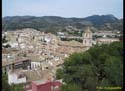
(18, 87)
(113, 70)
(7, 46)
(70, 87)
(99, 66)
(59, 74)
(4, 40)
(7, 87)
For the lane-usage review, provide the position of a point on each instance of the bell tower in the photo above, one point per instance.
(87, 38)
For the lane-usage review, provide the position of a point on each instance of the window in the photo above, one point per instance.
(87, 35)
(21, 76)
(85, 41)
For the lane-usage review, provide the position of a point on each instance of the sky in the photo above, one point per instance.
(64, 8)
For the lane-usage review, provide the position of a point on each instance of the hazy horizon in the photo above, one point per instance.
(56, 16)
(62, 8)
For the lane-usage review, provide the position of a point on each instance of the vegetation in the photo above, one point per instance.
(7, 87)
(71, 87)
(6, 46)
(55, 24)
(99, 66)
(18, 87)
(4, 40)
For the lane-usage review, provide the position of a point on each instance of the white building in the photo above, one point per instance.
(16, 78)
(106, 40)
(35, 64)
(13, 44)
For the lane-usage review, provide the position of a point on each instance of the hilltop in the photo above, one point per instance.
(56, 23)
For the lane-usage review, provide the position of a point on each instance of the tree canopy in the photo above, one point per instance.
(99, 66)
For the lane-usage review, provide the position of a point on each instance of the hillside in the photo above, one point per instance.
(55, 23)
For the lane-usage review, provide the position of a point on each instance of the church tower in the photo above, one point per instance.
(87, 38)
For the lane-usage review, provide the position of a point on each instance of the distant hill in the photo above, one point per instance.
(56, 23)
(101, 20)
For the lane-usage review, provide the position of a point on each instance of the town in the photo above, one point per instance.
(32, 57)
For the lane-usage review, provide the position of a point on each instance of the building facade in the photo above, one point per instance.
(87, 38)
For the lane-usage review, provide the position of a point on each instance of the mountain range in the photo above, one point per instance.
(56, 23)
